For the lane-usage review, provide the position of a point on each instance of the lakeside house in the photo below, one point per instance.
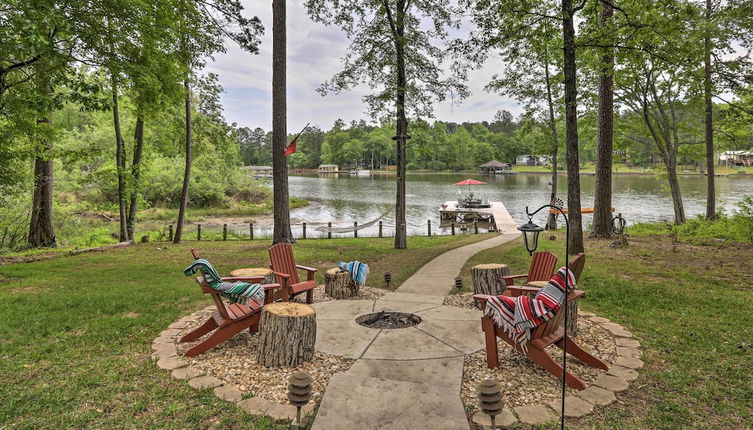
(329, 169)
(260, 171)
(737, 158)
(495, 167)
(531, 160)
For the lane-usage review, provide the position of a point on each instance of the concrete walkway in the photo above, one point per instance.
(404, 378)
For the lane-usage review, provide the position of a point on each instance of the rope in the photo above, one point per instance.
(325, 228)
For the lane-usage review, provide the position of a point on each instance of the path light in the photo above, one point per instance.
(300, 385)
(531, 235)
(459, 283)
(387, 278)
(490, 399)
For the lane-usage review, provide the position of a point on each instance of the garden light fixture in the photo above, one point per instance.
(531, 234)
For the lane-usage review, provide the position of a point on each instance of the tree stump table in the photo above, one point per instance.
(269, 277)
(338, 284)
(487, 278)
(287, 334)
(572, 310)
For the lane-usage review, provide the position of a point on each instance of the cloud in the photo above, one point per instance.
(314, 55)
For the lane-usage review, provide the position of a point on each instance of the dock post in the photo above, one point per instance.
(329, 230)
(452, 227)
(170, 234)
(304, 229)
(428, 227)
(198, 231)
(224, 231)
(475, 226)
(251, 230)
(380, 228)
(355, 228)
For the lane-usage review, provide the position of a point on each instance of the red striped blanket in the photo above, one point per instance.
(518, 315)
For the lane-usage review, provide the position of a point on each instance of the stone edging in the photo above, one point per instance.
(601, 392)
(167, 359)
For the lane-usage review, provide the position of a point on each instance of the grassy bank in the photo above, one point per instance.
(689, 306)
(76, 330)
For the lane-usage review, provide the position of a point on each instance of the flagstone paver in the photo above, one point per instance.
(226, 392)
(612, 383)
(204, 382)
(187, 372)
(597, 395)
(535, 414)
(574, 406)
(624, 372)
(504, 419)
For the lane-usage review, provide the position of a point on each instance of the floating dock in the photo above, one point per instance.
(496, 215)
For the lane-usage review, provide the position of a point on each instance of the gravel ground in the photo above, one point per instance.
(523, 381)
(464, 300)
(364, 293)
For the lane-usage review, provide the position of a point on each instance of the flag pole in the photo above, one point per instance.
(300, 133)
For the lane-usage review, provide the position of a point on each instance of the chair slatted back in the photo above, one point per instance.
(576, 265)
(550, 326)
(218, 303)
(281, 259)
(542, 266)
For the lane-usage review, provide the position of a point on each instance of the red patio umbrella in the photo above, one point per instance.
(470, 182)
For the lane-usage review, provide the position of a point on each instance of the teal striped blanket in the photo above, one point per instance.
(234, 292)
(358, 271)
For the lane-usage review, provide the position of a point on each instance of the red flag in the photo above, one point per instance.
(291, 148)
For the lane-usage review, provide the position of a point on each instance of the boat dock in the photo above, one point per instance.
(496, 215)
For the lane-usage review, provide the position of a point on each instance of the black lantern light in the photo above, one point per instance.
(531, 235)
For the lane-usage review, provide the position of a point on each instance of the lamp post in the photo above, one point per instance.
(531, 236)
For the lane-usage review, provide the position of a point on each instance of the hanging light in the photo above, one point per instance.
(531, 235)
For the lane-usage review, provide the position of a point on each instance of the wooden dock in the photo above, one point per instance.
(496, 215)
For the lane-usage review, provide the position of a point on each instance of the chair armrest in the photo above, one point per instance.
(282, 275)
(481, 299)
(510, 279)
(308, 269)
(271, 286)
(576, 294)
(254, 279)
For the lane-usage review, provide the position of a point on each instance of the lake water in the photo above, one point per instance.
(344, 199)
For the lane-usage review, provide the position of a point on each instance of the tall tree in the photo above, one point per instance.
(602, 220)
(282, 232)
(397, 36)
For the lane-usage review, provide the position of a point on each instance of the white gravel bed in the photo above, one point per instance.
(524, 382)
(364, 293)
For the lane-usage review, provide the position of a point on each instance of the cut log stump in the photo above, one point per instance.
(487, 278)
(269, 277)
(338, 284)
(287, 334)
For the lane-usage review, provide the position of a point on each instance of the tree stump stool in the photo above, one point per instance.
(487, 278)
(572, 310)
(269, 277)
(287, 334)
(338, 284)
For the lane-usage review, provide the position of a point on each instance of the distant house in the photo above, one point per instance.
(495, 166)
(329, 168)
(531, 160)
(261, 171)
(737, 158)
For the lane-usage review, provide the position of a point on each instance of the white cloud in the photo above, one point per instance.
(314, 55)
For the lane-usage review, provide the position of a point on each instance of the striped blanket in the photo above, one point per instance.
(518, 315)
(234, 292)
(358, 271)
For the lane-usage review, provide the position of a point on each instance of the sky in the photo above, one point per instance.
(314, 55)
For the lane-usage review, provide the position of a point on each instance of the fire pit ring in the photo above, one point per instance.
(389, 320)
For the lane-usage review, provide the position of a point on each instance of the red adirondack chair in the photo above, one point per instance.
(285, 270)
(227, 320)
(544, 335)
(541, 269)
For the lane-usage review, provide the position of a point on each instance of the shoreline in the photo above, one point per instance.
(514, 171)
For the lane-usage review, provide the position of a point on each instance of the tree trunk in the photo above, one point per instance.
(487, 278)
(551, 223)
(119, 159)
(710, 189)
(674, 187)
(135, 175)
(401, 239)
(602, 220)
(338, 284)
(282, 232)
(571, 129)
(287, 334)
(187, 171)
(41, 231)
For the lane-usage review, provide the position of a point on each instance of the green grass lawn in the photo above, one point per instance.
(691, 311)
(76, 330)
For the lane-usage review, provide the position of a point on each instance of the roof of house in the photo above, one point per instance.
(495, 163)
(328, 165)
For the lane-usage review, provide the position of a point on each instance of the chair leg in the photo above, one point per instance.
(576, 351)
(492, 353)
(219, 336)
(309, 297)
(544, 360)
(205, 328)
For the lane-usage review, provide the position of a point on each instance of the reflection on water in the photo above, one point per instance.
(345, 199)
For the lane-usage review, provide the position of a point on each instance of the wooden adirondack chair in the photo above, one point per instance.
(285, 270)
(227, 320)
(541, 269)
(542, 336)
